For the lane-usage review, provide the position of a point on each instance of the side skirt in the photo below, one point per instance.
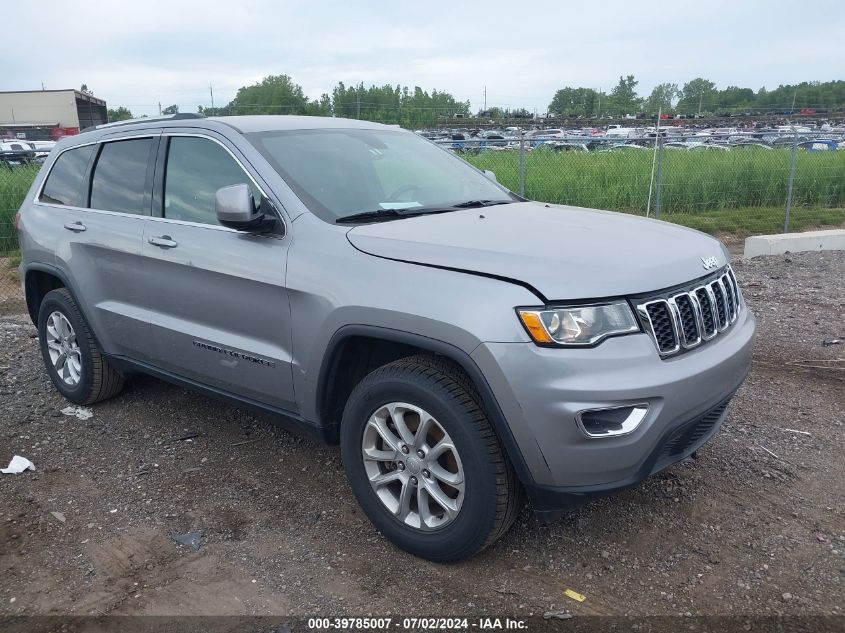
(288, 420)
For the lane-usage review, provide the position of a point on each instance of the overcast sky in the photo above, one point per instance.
(169, 51)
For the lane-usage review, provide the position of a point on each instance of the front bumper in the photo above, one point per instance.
(540, 391)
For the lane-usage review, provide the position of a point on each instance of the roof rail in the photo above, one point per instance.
(161, 117)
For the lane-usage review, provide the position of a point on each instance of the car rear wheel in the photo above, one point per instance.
(72, 357)
(424, 462)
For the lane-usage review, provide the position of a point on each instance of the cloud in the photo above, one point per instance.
(169, 52)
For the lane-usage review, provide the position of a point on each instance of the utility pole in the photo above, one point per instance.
(358, 104)
(700, 97)
(485, 98)
(599, 101)
(211, 90)
(42, 86)
(159, 108)
(791, 182)
(522, 162)
(657, 145)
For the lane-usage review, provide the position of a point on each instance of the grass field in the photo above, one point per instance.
(739, 192)
(693, 181)
(741, 223)
(14, 183)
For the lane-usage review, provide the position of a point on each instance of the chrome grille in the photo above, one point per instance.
(659, 316)
(721, 311)
(688, 320)
(708, 312)
(684, 319)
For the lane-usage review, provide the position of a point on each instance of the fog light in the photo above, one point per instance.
(611, 421)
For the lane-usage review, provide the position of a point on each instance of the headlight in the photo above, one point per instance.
(578, 325)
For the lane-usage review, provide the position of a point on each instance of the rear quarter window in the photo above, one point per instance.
(65, 182)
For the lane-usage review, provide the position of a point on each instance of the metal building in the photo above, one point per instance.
(49, 114)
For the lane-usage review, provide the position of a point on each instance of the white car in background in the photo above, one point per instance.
(42, 148)
(15, 153)
(621, 132)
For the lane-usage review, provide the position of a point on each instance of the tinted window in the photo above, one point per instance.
(196, 169)
(120, 176)
(64, 184)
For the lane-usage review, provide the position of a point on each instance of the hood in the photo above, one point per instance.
(562, 253)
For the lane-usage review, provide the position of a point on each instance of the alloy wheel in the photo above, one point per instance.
(64, 349)
(413, 466)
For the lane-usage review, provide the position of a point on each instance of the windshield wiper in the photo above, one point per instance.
(473, 204)
(380, 215)
(390, 214)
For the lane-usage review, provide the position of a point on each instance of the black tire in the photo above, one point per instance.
(98, 380)
(493, 496)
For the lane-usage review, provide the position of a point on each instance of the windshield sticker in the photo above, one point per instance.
(399, 205)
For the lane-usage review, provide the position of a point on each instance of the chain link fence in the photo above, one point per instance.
(726, 184)
(16, 176)
(733, 183)
(750, 187)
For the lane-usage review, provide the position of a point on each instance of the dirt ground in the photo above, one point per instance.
(754, 525)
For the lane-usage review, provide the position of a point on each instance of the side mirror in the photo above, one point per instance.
(490, 175)
(236, 209)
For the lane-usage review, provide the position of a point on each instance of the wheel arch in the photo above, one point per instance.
(347, 343)
(39, 279)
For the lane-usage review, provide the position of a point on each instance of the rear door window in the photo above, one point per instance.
(119, 182)
(65, 183)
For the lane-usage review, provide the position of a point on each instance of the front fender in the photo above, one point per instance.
(331, 285)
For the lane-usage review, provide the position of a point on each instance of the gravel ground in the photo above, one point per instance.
(754, 525)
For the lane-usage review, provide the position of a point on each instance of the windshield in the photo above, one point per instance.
(338, 172)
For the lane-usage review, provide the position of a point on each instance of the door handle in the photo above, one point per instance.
(76, 227)
(164, 241)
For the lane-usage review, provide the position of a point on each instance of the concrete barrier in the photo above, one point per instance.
(833, 240)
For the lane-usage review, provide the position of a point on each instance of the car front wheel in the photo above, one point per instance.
(424, 462)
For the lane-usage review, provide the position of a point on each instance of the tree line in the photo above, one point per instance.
(697, 96)
(279, 94)
(395, 104)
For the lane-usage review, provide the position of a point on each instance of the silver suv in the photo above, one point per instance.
(465, 347)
